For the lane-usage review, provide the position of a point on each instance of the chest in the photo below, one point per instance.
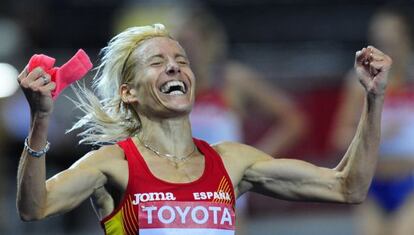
(194, 198)
(172, 171)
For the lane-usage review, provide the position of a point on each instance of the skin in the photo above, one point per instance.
(102, 174)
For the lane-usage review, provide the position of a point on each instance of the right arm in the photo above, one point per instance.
(36, 197)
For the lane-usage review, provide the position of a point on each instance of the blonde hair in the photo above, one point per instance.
(106, 118)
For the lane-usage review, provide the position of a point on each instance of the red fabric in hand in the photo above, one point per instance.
(63, 76)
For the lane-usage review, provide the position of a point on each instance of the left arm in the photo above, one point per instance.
(350, 180)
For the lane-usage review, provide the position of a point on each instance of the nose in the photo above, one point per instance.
(172, 68)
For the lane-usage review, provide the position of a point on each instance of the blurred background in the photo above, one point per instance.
(278, 71)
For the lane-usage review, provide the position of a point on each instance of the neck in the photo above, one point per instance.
(169, 136)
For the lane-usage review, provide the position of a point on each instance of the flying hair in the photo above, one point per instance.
(106, 118)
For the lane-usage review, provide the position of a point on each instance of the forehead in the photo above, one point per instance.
(159, 46)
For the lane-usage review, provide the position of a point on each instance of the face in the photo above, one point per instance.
(164, 82)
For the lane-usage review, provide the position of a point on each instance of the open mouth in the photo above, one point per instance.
(174, 88)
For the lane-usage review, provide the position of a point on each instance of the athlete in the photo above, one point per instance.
(152, 177)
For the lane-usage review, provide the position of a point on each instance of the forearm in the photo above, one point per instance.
(359, 163)
(31, 175)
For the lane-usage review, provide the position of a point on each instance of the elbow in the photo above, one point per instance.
(353, 192)
(355, 195)
(29, 217)
(355, 198)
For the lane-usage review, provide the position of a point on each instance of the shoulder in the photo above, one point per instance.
(238, 159)
(237, 153)
(225, 146)
(105, 155)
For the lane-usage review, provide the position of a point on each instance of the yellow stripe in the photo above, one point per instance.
(114, 226)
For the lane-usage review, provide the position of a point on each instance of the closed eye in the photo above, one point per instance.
(156, 63)
(182, 62)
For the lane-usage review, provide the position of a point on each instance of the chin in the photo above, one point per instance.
(179, 107)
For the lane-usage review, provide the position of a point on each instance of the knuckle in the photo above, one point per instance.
(21, 77)
(33, 86)
(24, 84)
(38, 70)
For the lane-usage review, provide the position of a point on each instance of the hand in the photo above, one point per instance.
(37, 88)
(372, 67)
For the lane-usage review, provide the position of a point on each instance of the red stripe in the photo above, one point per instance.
(127, 222)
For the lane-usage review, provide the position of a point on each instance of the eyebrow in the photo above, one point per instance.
(162, 57)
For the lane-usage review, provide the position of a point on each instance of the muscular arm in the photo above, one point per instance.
(36, 197)
(298, 180)
(349, 181)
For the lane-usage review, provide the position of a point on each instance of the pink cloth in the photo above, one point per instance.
(63, 76)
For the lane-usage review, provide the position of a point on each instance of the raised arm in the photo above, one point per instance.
(37, 198)
(350, 180)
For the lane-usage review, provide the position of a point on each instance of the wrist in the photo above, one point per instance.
(376, 95)
(36, 153)
(41, 115)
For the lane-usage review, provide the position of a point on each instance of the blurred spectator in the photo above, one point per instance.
(390, 206)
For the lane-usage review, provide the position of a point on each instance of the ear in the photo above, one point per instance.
(128, 94)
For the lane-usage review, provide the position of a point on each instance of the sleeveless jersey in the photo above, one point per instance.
(152, 206)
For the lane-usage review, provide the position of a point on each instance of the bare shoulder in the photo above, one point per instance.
(238, 150)
(108, 160)
(103, 156)
(237, 158)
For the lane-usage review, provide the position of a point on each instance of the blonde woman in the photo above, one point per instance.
(152, 177)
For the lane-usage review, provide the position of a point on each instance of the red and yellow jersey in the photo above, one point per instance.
(152, 206)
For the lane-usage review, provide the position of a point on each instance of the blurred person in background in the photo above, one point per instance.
(142, 105)
(225, 88)
(390, 205)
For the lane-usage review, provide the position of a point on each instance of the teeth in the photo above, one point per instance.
(176, 93)
(166, 87)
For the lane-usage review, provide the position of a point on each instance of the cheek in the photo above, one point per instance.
(189, 73)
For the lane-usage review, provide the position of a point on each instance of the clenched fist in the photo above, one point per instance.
(37, 88)
(372, 67)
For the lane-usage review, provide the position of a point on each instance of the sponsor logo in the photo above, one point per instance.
(212, 196)
(186, 215)
(154, 196)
